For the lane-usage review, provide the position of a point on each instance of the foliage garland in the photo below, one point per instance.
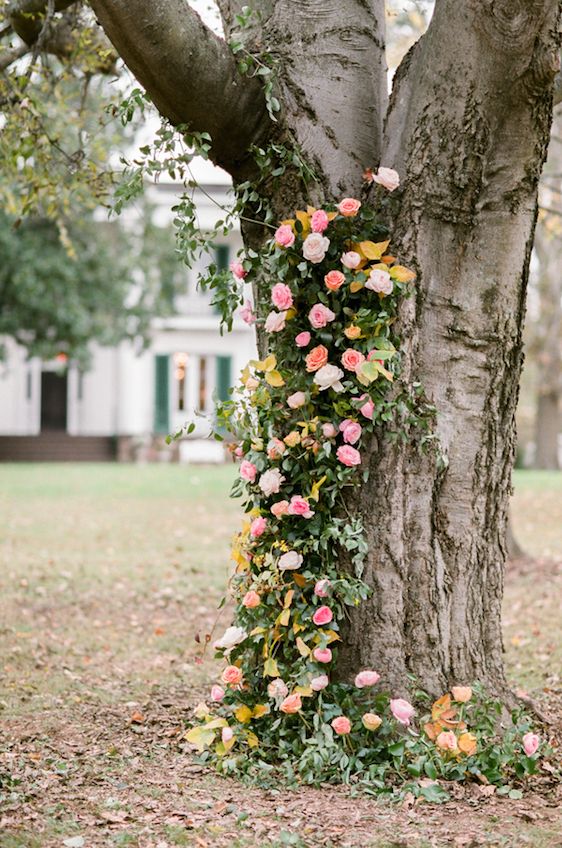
(300, 418)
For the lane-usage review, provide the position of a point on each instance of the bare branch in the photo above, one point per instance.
(7, 57)
(189, 72)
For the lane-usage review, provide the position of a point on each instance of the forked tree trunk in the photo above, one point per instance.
(467, 129)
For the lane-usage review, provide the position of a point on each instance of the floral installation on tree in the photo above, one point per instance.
(301, 418)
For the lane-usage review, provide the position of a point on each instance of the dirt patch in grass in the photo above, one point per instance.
(107, 576)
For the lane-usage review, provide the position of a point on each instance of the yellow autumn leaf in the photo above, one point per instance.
(315, 488)
(303, 690)
(402, 274)
(274, 379)
(283, 618)
(468, 743)
(201, 737)
(223, 748)
(332, 636)
(243, 714)
(332, 215)
(356, 286)
(299, 579)
(310, 210)
(305, 221)
(257, 630)
(244, 375)
(289, 222)
(267, 364)
(290, 314)
(260, 710)
(382, 370)
(253, 740)
(372, 250)
(302, 647)
(270, 668)
(298, 627)
(289, 598)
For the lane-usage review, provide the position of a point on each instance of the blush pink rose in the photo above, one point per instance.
(258, 526)
(300, 506)
(292, 704)
(319, 683)
(314, 247)
(319, 221)
(239, 452)
(317, 358)
(278, 689)
(334, 280)
(281, 296)
(367, 408)
(232, 675)
(270, 481)
(248, 471)
(328, 430)
(349, 207)
(275, 448)
(531, 743)
(247, 314)
(290, 561)
(341, 725)
(348, 455)
(323, 655)
(217, 693)
(251, 600)
(323, 615)
(379, 281)
(366, 678)
(446, 740)
(402, 710)
(284, 236)
(303, 339)
(351, 260)
(238, 269)
(319, 316)
(352, 359)
(296, 400)
(321, 589)
(275, 322)
(351, 431)
(280, 508)
(387, 177)
(227, 734)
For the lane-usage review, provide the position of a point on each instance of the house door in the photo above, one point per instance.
(53, 400)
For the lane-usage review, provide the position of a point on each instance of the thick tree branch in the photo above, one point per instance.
(27, 16)
(11, 55)
(189, 73)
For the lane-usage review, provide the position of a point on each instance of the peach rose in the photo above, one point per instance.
(367, 678)
(387, 177)
(371, 721)
(281, 296)
(348, 456)
(323, 615)
(280, 508)
(319, 683)
(334, 280)
(461, 694)
(402, 710)
(284, 236)
(292, 704)
(319, 221)
(296, 400)
(351, 260)
(349, 207)
(217, 693)
(251, 600)
(323, 655)
(447, 741)
(303, 339)
(341, 725)
(258, 526)
(317, 358)
(319, 316)
(352, 332)
(352, 359)
(293, 439)
(232, 675)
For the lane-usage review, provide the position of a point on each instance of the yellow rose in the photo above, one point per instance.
(292, 439)
(352, 332)
(371, 721)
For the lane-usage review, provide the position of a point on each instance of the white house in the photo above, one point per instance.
(127, 402)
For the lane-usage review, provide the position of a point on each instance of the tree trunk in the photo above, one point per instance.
(547, 431)
(467, 129)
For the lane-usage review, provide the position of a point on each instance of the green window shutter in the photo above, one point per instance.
(222, 254)
(224, 376)
(162, 394)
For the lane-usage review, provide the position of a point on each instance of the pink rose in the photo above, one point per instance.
(296, 400)
(323, 615)
(320, 315)
(319, 221)
(281, 296)
(275, 322)
(284, 236)
(270, 481)
(257, 527)
(290, 561)
(303, 339)
(248, 471)
(349, 207)
(348, 455)
(351, 260)
(334, 280)
(292, 704)
(217, 693)
(531, 743)
(352, 359)
(300, 506)
(247, 314)
(232, 675)
(446, 740)
(328, 430)
(351, 431)
(227, 734)
(275, 448)
(368, 407)
(280, 508)
(402, 710)
(388, 178)
(321, 589)
(238, 269)
(366, 678)
(251, 600)
(323, 655)
(239, 452)
(314, 247)
(379, 281)
(341, 725)
(319, 683)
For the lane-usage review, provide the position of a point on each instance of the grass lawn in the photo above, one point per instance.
(107, 575)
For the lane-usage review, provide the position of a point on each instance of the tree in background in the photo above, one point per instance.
(467, 127)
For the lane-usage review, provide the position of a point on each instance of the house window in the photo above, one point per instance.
(180, 375)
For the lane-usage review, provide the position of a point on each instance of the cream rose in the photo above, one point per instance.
(329, 377)
(315, 246)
